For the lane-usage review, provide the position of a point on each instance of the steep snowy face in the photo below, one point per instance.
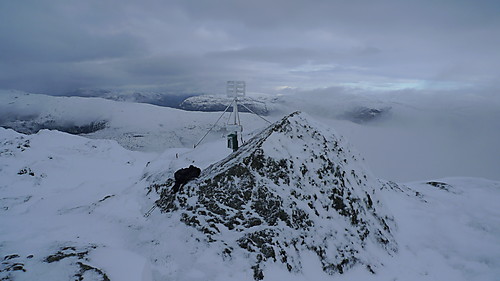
(292, 189)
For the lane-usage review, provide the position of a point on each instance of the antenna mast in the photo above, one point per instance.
(234, 90)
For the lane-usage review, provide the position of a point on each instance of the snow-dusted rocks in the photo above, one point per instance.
(293, 188)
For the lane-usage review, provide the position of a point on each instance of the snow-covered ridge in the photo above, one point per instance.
(138, 95)
(294, 188)
(260, 104)
(135, 126)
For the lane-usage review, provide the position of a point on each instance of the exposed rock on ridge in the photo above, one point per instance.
(295, 187)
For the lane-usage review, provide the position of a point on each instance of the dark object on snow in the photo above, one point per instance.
(232, 141)
(184, 175)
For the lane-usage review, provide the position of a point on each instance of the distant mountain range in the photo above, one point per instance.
(259, 104)
(155, 97)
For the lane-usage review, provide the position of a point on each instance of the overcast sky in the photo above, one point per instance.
(189, 46)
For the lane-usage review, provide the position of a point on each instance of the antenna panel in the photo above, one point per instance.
(235, 89)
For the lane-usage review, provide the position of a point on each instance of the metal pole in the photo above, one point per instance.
(235, 110)
(212, 126)
(256, 114)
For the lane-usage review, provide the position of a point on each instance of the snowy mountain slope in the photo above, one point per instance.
(79, 204)
(155, 96)
(61, 199)
(260, 104)
(450, 231)
(135, 126)
(293, 188)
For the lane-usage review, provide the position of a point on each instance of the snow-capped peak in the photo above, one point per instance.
(293, 188)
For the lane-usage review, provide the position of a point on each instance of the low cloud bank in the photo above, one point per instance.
(423, 134)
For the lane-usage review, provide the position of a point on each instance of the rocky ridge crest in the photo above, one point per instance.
(294, 187)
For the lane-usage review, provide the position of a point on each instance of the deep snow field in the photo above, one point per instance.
(74, 205)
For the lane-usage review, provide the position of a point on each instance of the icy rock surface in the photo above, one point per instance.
(295, 187)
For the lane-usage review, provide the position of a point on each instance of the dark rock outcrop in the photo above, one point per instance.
(363, 114)
(33, 126)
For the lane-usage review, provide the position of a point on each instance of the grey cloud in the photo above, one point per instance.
(286, 56)
(50, 36)
(270, 43)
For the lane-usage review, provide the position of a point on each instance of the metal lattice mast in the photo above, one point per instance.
(235, 89)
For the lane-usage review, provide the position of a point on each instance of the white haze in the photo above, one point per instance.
(424, 135)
